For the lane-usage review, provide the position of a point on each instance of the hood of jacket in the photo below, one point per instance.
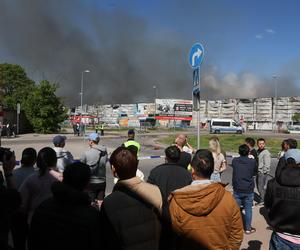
(63, 193)
(289, 175)
(199, 200)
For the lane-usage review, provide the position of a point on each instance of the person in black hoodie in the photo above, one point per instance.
(67, 220)
(129, 216)
(169, 177)
(282, 201)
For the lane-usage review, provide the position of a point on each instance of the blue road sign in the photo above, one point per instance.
(196, 55)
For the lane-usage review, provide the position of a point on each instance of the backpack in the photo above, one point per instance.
(95, 168)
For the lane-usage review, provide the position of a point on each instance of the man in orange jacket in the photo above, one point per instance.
(204, 215)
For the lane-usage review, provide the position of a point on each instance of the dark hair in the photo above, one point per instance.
(261, 139)
(203, 163)
(77, 175)
(250, 141)
(131, 132)
(292, 143)
(124, 162)
(244, 150)
(46, 158)
(133, 149)
(172, 154)
(28, 157)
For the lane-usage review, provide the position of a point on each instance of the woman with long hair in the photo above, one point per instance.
(220, 163)
(37, 187)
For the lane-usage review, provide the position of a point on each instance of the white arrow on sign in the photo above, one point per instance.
(197, 54)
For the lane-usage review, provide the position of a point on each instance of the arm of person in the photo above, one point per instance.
(236, 232)
(223, 164)
(103, 157)
(267, 161)
(83, 158)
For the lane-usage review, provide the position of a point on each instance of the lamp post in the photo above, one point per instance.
(155, 97)
(81, 99)
(275, 102)
(81, 89)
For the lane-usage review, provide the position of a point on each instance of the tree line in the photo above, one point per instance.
(42, 107)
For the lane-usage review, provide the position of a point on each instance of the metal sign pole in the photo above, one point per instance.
(195, 59)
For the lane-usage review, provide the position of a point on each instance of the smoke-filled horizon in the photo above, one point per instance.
(57, 40)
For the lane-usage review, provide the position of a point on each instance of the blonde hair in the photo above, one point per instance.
(214, 146)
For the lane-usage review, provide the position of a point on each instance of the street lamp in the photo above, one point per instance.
(275, 102)
(156, 91)
(81, 89)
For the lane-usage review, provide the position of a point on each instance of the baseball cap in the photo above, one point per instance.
(58, 139)
(94, 137)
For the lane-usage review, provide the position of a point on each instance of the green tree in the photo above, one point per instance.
(296, 117)
(15, 86)
(44, 109)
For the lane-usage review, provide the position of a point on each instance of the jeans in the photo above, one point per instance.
(261, 183)
(277, 243)
(245, 200)
(215, 177)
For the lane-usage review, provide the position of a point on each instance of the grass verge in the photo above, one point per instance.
(229, 142)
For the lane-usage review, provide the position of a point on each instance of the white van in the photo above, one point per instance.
(218, 126)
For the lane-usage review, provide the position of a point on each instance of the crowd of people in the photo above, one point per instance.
(55, 202)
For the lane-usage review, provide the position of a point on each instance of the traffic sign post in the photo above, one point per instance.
(195, 60)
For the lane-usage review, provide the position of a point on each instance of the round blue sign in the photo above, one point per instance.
(196, 55)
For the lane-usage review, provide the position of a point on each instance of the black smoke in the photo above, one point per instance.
(58, 39)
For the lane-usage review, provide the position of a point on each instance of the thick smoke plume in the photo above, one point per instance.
(59, 39)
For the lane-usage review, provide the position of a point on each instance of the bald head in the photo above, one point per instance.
(181, 140)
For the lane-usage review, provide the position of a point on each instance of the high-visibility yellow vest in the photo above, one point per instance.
(133, 143)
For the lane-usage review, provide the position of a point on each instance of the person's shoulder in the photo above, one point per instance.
(102, 147)
(32, 176)
(158, 168)
(267, 152)
(116, 198)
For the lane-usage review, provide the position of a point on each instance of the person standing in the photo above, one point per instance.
(102, 129)
(37, 187)
(264, 164)
(64, 157)
(168, 177)
(220, 163)
(131, 141)
(203, 214)
(244, 169)
(282, 201)
(67, 220)
(129, 215)
(27, 166)
(96, 159)
(250, 142)
(186, 150)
